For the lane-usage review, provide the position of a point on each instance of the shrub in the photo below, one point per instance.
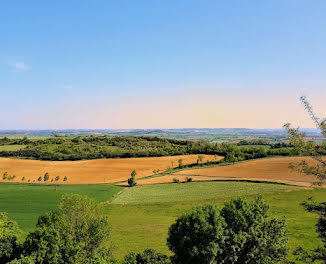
(149, 256)
(188, 179)
(176, 180)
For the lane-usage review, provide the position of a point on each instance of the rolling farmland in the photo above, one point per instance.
(93, 171)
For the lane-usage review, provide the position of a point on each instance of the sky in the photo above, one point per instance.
(161, 64)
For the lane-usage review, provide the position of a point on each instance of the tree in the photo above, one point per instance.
(23, 178)
(46, 176)
(180, 162)
(132, 181)
(200, 158)
(9, 233)
(77, 232)
(65, 178)
(149, 256)
(39, 179)
(309, 148)
(5, 175)
(57, 178)
(238, 233)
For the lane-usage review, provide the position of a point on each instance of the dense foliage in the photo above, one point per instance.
(9, 233)
(77, 232)
(241, 232)
(95, 147)
(149, 256)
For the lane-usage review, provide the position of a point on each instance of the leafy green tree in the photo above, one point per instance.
(309, 148)
(57, 178)
(149, 256)
(180, 162)
(132, 180)
(9, 233)
(65, 178)
(39, 179)
(46, 177)
(76, 233)
(239, 233)
(5, 175)
(200, 158)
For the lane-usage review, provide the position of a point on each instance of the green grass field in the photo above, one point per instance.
(12, 147)
(195, 191)
(26, 202)
(140, 217)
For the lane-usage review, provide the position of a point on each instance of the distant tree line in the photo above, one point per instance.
(96, 147)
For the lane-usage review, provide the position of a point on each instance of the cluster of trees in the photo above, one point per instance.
(94, 147)
(46, 177)
(8, 177)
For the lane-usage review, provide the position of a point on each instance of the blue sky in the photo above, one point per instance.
(155, 64)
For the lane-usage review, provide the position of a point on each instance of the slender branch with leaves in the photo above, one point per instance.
(309, 148)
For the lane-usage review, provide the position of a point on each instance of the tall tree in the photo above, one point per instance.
(310, 149)
(76, 233)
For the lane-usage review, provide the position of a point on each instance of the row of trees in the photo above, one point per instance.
(45, 178)
(86, 147)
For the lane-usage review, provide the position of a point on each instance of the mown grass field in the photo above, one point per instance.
(140, 217)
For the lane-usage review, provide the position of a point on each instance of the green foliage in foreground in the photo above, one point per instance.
(241, 232)
(9, 233)
(26, 202)
(77, 232)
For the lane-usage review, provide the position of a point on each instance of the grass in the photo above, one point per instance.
(140, 216)
(26, 202)
(194, 191)
(12, 147)
(143, 222)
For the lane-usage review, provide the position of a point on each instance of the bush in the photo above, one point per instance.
(149, 256)
(188, 179)
(176, 180)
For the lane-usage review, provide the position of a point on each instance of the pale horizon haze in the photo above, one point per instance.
(161, 64)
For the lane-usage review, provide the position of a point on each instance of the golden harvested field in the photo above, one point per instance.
(92, 171)
(272, 169)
